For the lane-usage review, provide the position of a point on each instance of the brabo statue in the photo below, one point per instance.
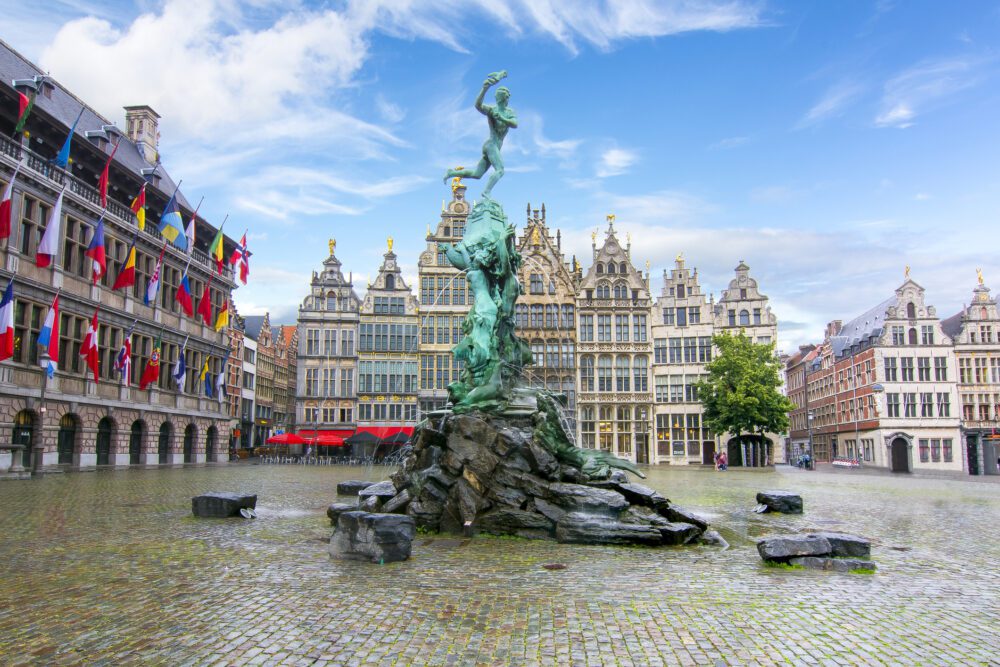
(501, 119)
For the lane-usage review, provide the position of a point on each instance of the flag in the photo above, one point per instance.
(7, 322)
(223, 318)
(48, 247)
(49, 337)
(123, 362)
(184, 295)
(241, 256)
(126, 275)
(88, 350)
(6, 205)
(205, 306)
(25, 105)
(180, 369)
(189, 232)
(102, 184)
(216, 251)
(153, 286)
(171, 224)
(220, 382)
(95, 251)
(138, 207)
(62, 160)
(151, 373)
(205, 379)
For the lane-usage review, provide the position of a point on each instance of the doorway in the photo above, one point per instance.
(900, 453)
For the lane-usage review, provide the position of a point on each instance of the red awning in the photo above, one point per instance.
(382, 432)
(285, 439)
(326, 441)
(334, 432)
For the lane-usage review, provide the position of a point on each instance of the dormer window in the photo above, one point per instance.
(911, 311)
(390, 281)
(622, 269)
(611, 268)
(600, 269)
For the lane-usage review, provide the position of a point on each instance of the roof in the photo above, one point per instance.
(252, 325)
(952, 326)
(286, 332)
(868, 325)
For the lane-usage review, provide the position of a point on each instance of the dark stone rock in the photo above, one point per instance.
(469, 501)
(637, 494)
(580, 498)
(370, 504)
(577, 528)
(713, 539)
(618, 476)
(846, 546)
(541, 461)
(790, 546)
(679, 533)
(352, 487)
(640, 514)
(397, 504)
(511, 439)
(572, 475)
(548, 510)
(507, 496)
(400, 479)
(426, 513)
(785, 502)
(526, 482)
(383, 490)
(222, 505)
(336, 509)
(835, 564)
(506, 521)
(380, 538)
(682, 515)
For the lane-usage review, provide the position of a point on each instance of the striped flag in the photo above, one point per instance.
(138, 207)
(123, 362)
(96, 252)
(153, 286)
(6, 205)
(222, 320)
(102, 184)
(220, 382)
(48, 247)
(180, 369)
(25, 105)
(241, 256)
(172, 225)
(126, 275)
(205, 379)
(48, 337)
(88, 350)
(205, 306)
(7, 322)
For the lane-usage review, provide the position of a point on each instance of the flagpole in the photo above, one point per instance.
(39, 447)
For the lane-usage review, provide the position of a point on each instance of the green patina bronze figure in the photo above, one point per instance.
(501, 118)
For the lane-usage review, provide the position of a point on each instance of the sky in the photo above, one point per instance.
(827, 144)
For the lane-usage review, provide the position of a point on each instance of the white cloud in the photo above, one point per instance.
(615, 161)
(925, 86)
(833, 103)
(391, 113)
(772, 194)
(921, 196)
(730, 142)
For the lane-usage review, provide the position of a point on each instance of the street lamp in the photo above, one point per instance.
(809, 421)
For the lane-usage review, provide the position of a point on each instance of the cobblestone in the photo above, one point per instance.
(109, 568)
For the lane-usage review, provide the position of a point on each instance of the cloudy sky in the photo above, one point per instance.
(828, 144)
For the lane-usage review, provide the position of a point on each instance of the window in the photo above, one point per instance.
(732, 318)
(924, 447)
(587, 373)
(567, 317)
(935, 450)
(926, 404)
(604, 328)
(704, 349)
(985, 333)
(681, 317)
(675, 351)
(898, 337)
(659, 350)
(639, 328)
(941, 369)
(906, 369)
(71, 332)
(312, 341)
(980, 370)
(660, 388)
(604, 374)
(744, 318)
(621, 328)
(926, 335)
(621, 291)
(668, 316)
(347, 346)
(346, 383)
(946, 449)
(587, 426)
(676, 388)
(892, 404)
(680, 291)
(28, 318)
(640, 372)
(909, 404)
(912, 334)
(690, 350)
(756, 315)
(694, 315)
(911, 311)
(603, 290)
(622, 374)
(944, 404)
(924, 369)
(312, 382)
(965, 371)
(587, 328)
(536, 285)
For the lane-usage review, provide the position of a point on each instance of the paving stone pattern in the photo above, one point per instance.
(111, 568)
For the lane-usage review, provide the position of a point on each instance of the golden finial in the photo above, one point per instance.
(333, 245)
(593, 237)
(906, 273)
(611, 219)
(679, 258)
(428, 229)
(979, 275)
(536, 236)
(389, 241)
(647, 266)
(456, 182)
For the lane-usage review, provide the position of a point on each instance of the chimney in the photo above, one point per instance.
(141, 126)
(834, 327)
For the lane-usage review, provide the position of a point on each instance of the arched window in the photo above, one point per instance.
(104, 430)
(331, 301)
(163, 444)
(621, 291)
(623, 269)
(600, 269)
(604, 382)
(622, 373)
(66, 440)
(190, 433)
(586, 373)
(913, 335)
(911, 311)
(390, 281)
(135, 442)
(744, 318)
(603, 290)
(611, 267)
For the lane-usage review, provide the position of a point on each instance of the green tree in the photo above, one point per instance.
(741, 394)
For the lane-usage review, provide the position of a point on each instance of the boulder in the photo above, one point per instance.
(618, 476)
(426, 512)
(790, 546)
(541, 461)
(637, 494)
(713, 539)
(835, 564)
(222, 505)
(383, 490)
(548, 510)
(587, 499)
(507, 496)
(336, 509)
(682, 515)
(379, 538)
(352, 487)
(846, 546)
(785, 502)
(370, 504)
(509, 521)
(679, 533)
(398, 503)
(577, 528)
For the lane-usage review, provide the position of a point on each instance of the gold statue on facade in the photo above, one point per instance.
(906, 272)
(389, 242)
(333, 245)
(456, 182)
(680, 257)
(979, 276)
(536, 236)
(593, 237)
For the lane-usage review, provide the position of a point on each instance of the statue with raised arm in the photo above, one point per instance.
(501, 118)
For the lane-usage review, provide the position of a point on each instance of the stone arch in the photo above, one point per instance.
(164, 443)
(612, 268)
(600, 269)
(190, 437)
(744, 317)
(390, 281)
(211, 443)
(68, 439)
(604, 290)
(900, 445)
(912, 336)
(106, 430)
(136, 440)
(621, 290)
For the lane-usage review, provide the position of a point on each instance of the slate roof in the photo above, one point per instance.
(869, 324)
(952, 326)
(252, 325)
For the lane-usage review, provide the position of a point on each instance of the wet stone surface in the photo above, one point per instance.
(111, 568)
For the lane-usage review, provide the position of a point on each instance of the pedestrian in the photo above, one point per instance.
(723, 461)
(717, 458)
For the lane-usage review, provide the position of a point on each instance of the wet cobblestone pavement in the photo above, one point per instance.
(111, 568)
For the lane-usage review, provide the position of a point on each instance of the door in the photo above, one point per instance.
(189, 436)
(24, 427)
(104, 442)
(65, 440)
(972, 454)
(135, 444)
(708, 453)
(641, 448)
(900, 455)
(163, 446)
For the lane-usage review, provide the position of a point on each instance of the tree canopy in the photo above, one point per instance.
(741, 394)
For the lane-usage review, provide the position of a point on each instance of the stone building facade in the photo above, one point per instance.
(388, 353)
(546, 312)
(614, 391)
(82, 423)
(445, 300)
(285, 366)
(258, 329)
(326, 391)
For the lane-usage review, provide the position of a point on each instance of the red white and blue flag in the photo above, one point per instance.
(96, 252)
(48, 247)
(123, 362)
(153, 287)
(48, 337)
(5, 205)
(7, 322)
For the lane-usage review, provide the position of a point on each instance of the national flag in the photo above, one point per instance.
(25, 105)
(189, 232)
(241, 256)
(223, 318)
(95, 251)
(171, 223)
(205, 306)
(126, 275)
(138, 207)
(180, 369)
(88, 350)
(151, 373)
(184, 295)
(62, 160)
(48, 247)
(153, 286)
(6, 205)
(123, 362)
(205, 379)
(48, 337)
(216, 251)
(7, 322)
(102, 184)
(220, 382)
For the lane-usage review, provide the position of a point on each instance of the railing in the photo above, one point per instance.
(92, 196)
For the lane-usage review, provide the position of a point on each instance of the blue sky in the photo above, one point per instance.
(828, 144)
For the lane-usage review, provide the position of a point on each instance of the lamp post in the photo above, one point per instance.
(878, 390)
(809, 421)
(39, 446)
